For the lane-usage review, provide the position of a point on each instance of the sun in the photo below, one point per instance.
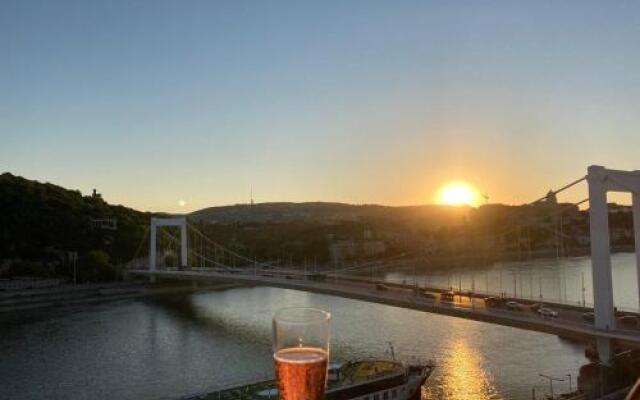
(458, 194)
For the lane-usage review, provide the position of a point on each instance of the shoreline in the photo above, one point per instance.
(438, 263)
(34, 299)
(15, 300)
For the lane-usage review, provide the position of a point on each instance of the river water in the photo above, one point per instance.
(171, 346)
(564, 280)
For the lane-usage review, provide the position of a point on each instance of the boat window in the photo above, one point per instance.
(385, 395)
(394, 393)
(376, 396)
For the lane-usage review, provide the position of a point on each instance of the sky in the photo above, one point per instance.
(174, 106)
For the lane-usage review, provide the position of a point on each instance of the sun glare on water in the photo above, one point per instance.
(458, 194)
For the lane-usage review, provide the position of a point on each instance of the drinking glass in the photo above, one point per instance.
(634, 393)
(301, 352)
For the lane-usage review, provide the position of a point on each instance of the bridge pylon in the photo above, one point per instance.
(159, 222)
(601, 181)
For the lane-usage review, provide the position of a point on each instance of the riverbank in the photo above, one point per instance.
(175, 345)
(438, 263)
(31, 299)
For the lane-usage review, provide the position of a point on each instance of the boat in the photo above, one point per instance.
(377, 380)
(367, 379)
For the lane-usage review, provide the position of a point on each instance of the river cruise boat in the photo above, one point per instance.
(355, 380)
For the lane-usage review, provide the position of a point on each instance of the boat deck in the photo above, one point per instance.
(351, 373)
(362, 371)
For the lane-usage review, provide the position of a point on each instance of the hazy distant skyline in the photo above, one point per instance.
(154, 102)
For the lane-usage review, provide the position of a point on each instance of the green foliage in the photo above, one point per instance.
(43, 223)
(95, 267)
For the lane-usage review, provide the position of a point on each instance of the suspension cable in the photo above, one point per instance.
(144, 237)
(394, 260)
(530, 222)
(226, 250)
(194, 253)
(562, 189)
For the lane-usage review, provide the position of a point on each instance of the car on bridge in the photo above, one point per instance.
(628, 321)
(547, 312)
(493, 301)
(514, 306)
(588, 316)
(381, 287)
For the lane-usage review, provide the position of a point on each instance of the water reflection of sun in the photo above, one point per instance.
(463, 376)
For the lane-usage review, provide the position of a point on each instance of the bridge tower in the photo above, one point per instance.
(601, 181)
(157, 222)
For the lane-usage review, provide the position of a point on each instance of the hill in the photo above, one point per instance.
(326, 212)
(326, 232)
(41, 223)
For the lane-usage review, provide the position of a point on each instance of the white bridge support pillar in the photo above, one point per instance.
(601, 181)
(158, 222)
(600, 252)
(636, 236)
(183, 244)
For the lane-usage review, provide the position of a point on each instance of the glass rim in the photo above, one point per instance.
(320, 315)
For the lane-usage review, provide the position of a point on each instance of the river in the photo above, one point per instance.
(171, 346)
(565, 280)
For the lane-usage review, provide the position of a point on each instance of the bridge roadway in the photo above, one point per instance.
(569, 322)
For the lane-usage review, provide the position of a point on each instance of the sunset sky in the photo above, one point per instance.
(174, 106)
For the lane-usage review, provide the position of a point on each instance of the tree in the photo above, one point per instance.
(95, 266)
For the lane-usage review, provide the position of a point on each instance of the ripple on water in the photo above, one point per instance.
(168, 347)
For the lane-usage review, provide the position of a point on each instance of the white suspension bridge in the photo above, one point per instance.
(203, 259)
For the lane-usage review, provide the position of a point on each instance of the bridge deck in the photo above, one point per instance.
(569, 322)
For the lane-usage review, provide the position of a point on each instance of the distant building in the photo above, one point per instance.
(551, 197)
(105, 223)
(344, 250)
(621, 235)
(341, 251)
